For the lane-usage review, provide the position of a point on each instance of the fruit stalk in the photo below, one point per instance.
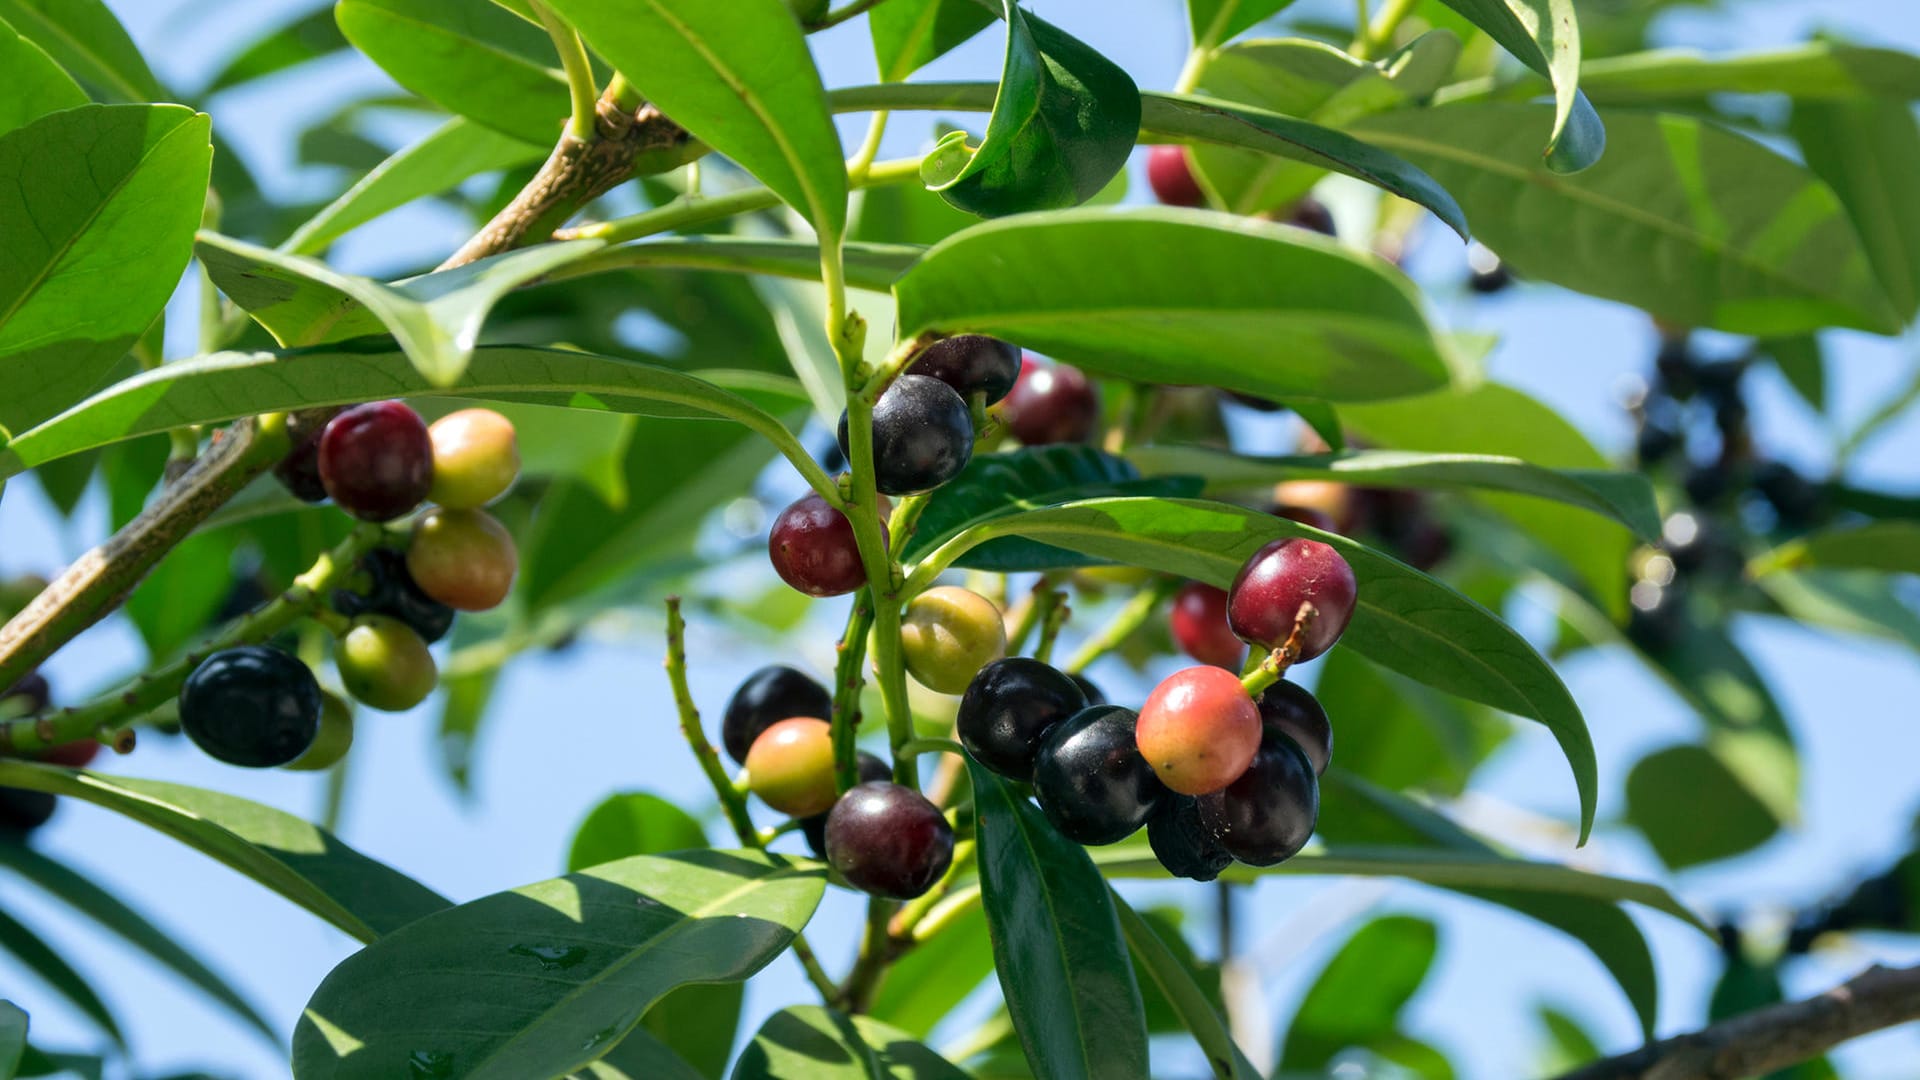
(1282, 658)
(732, 802)
(847, 681)
(105, 717)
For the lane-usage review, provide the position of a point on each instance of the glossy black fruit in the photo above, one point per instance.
(1182, 844)
(1299, 715)
(1090, 779)
(971, 364)
(1796, 501)
(251, 706)
(392, 592)
(1675, 365)
(870, 769)
(922, 435)
(1095, 695)
(1656, 442)
(888, 840)
(1007, 710)
(22, 811)
(1267, 815)
(767, 697)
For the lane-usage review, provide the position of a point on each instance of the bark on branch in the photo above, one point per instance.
(1756, 1043)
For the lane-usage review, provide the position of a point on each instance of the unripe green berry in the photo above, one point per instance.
(476, 458)
(385, 665)
(334, 739)
(948, 635)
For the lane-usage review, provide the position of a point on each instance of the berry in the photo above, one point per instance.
(74, 755)
(1312, 214)
(1266, 816)
(1298, 715)
(384, 664)
(1337, 502)
(333, 741)
(1311, 518)
(971, 364)
(1170, 174)
(1090, 779)
(1199, 622)
(922, 435)
(1051, 403)
(1094, 694)
(29, 695)
(299, 471)
(889, 840)
(870, 769)
(767, 697)
(1676, 367)
(1007, 710)
(1182, 844)
(1796, 501)
(1487, 273)
(462, 558)
(376, 460)
(790, 766)
(1275, 584)
(1656, 442)
(476, 458)
(948, 634)
(251, 706)
(1198, 730)
(813, 550)
(22, 811)
(392, 591)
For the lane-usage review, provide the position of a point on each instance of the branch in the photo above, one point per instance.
(1758, 1042)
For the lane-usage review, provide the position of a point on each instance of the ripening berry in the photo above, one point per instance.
(1199, 730)
(391, 591)
(476, 458)
(948, 634)
(1051, 403)
(790, 766)
(385, 665)
(813, 549)
(462, 558)
(1170, 174)
(870, 769)
(251, 706)
(376, 460)
(334, 739)
(1198, 619)
(1268, 596)
(889, 840)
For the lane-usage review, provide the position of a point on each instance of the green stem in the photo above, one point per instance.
(842, 14)
(1051, 620)
(876, 952)
(1379, 34)
(104, 717)
(731, 801)
(848, 677)
(624, 95)
(1125, 623)
(573, 60)
(869, 147)
(690, 210)
(931, 745)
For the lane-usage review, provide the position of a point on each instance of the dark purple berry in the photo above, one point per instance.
(299, 471)
(870, 769)
(1182, 844)
(888, 840)
(1007, 710)
(22, 811)
(1267, 815)
(251, 706)
(1298, 714)
(392, 592)
(1051, 403)
(1090, 779)
(971, 364)
(922, 435)
(1275, 585)
(376, 460)
(813, 549)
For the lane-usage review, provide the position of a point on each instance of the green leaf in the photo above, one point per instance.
(739, 77)
(698, 1023)
(298, 860)
(173, 605)
(1864, 150)
(308, 37)
(910, 34)
(632, 823)
(442, 159)
(36, 956)
(1215, 21)
(13, 1038)
(83, 37)
(922, 987)
(1693, 809)
(435, 318)
(1569, 1044)
(36, 85)
(1181, 297)
(1694, 224)
(1545, 36)
(100, 200)
(1056, 944)
(463, 708)
(1188, 1001)
(472, 59)
(1626, 498)
(1889, 546)
(1850, 601)
(1404, 620)
(542, 980)
(868, 265)
(1803, 364)
(1063, 124)
(640, 1056)
(1414, 737)
(821, 1044)
(1810, 71)
(1356, 1000)
(82, 895)
(996, 485)
(1492, 419)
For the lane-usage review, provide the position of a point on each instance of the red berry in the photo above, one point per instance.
(1198, 730)
(790, 766)
(1051, 403)
(813, 549)
(1170, 173)
(299, 471)
(74, 755)
(462, 558)
(889, 840)
(1199, 621)
(1278, 582)
(376, 460)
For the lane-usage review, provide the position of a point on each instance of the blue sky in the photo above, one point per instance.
(568, 729)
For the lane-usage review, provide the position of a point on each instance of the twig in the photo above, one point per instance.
(1758, 1042)
(876, 952)
(849, 676)
(1052, 618)
(1030, 612)
(579, 70)
(731, 801)
(1279, 660)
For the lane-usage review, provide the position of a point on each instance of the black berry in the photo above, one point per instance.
(922, 435)
(1090, 779)
(1095, 696)
(391, 591)
(1267, 815)
(971, 364)
(1312, 214)
(1182, 844)
(376, 460)
(29, 695)
(767, 697)
(1298, 714)
(251, 706)
(870, 769)
(1008, 708)
(22, 811)
(888, 840)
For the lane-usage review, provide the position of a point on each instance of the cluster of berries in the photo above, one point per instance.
(257, 706)
(1215, 772)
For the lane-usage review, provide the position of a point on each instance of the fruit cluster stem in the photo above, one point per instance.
(732, 803)
(108, 717)
(847, 681)
(1282, 658)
